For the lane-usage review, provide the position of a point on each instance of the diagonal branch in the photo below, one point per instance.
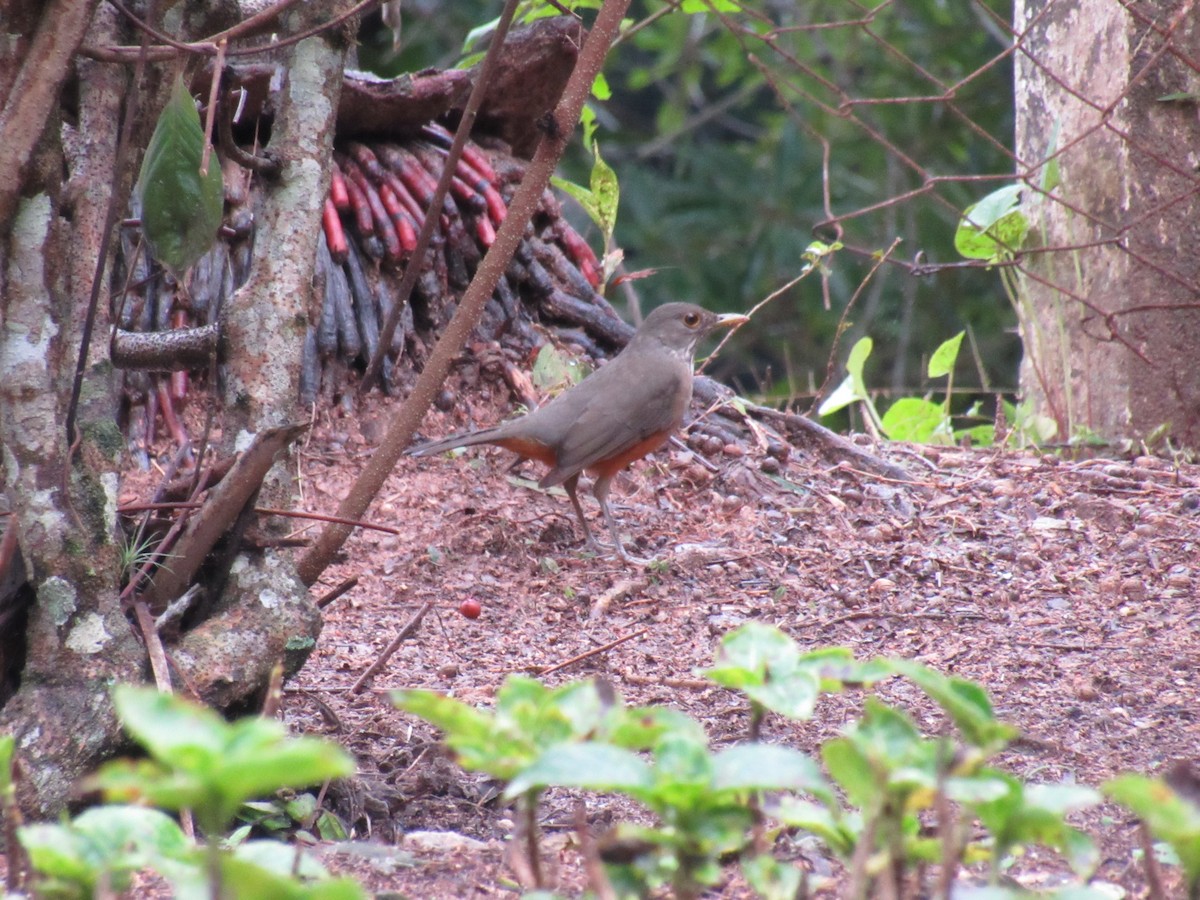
(470, 308)
(432, 217)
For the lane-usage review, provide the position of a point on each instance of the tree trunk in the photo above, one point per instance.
(77, 640)
(1107, 295)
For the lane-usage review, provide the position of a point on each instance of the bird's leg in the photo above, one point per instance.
(569, 486)
(600, 490)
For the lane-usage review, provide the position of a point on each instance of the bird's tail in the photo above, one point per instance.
(453, 442)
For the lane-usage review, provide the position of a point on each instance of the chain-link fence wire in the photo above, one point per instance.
(911, 106)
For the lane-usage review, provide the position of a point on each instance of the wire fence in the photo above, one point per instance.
(1089, 188)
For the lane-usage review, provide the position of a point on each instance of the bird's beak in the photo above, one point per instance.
(731, 320)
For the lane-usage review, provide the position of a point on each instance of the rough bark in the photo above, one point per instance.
(1109, 312)
(77, 639)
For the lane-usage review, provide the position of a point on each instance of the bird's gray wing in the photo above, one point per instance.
(652, 400)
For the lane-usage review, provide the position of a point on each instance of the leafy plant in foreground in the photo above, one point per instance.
(1170, 815)
(529, 721)
(698, 797)
(200, 762)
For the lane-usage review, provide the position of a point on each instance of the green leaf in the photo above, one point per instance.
(913, 419)
(641, 728)
(1051, 175)
(181, 208)
(857, 361)
(771, 878)
(767, 767)
(606, 191)
(246, 877)
(839, 832)
(554, 369)
(600, 88)
(107, 841)
(964, 701)
(944, 357)
(203, 762)
(601, 198)
(767, 666)
(851, 769)
(748, 653)
(841, 397)
(598, 767)
(977, 435)
(994, 228)
(169, 727)
(1169, 815)
(1024, 814)
(6, 757)
(691, 7)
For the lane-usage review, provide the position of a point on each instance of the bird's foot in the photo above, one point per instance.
(609, 549)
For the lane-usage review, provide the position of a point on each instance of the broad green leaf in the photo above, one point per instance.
(691, 7)
(1051, 176)
(244, 876)
(978, 435)
(767, 767)
(964, 701)
(849, 767)
(205, 763)
(841, 397)
(771, 878)
(994, 228)
(749, 653)
(606, 192)
(169, 727)
(452, 716)
(767, 666)
(553, 369)
(839, 832)
(857, 361)
(1169, 815)
(6, 756)
(181, 208)
(913, 419)
(601, 198)
(107, 841)
(641, 728)
(601, 89)
(944, 357)
(598, 767)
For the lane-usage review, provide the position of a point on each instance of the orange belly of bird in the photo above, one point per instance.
(528, 449)
(606, 468)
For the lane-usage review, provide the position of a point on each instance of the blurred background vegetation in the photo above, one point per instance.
(727, 124)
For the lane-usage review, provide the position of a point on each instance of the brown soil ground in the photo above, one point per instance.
(1067, 589)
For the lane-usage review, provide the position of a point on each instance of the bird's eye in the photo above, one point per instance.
(691, 320)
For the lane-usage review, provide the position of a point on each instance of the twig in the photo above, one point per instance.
(483, 82)
(211, 112)
(470, 308)
(261, 510)
(348, 584)
(117, 200)
(593, 652)
(1154, 882)
(391, 648)
(154, 648)
(18, 863)
(597, 877)
(270, 707)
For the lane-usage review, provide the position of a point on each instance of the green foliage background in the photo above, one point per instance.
(719, 145)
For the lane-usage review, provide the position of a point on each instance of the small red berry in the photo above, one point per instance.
(470, 608)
